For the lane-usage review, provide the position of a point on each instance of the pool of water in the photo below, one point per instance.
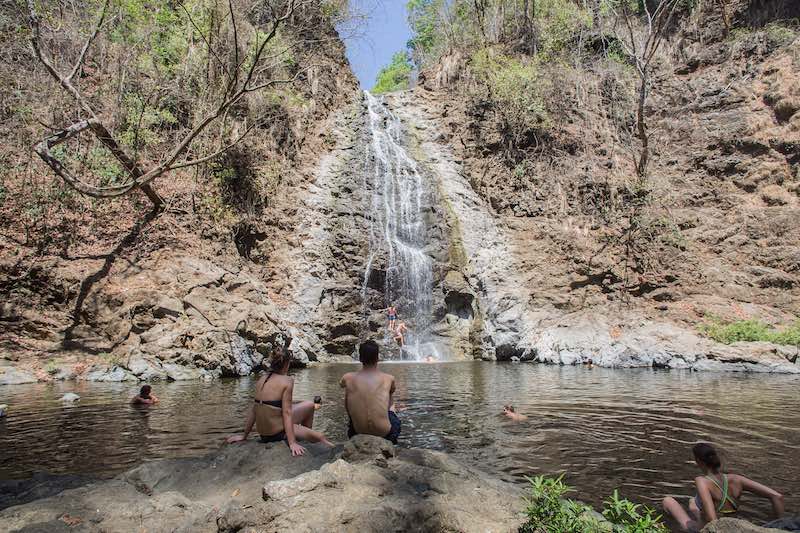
(606, 429)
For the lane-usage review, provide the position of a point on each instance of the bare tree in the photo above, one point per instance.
(244, 75)
(641, 41)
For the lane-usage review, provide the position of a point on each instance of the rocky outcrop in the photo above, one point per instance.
(367, 485)
(734, 525)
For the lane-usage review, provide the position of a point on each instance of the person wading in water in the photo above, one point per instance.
(273, 413)
(368, 398)
(717, 493)
(145, 396)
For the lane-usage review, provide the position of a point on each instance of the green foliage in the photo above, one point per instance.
(162, 26)
(560, 22)
(143, 121)
(422, 18)
(779, 34)
(631, 517)
(395, 76)
(515, 87)
(332, 9)
(750, 331)
(548, 511)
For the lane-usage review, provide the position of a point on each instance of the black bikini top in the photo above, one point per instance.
(271, 403)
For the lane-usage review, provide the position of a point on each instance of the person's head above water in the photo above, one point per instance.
(368, 353)
(706, 456)
(508, 409)
(280, 360)
(144, 392)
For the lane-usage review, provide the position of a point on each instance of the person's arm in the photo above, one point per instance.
(288, 424)
(248, 426)
(343, 381)
(765, 492)
(136, 400)
(154, 398)
(709, 510)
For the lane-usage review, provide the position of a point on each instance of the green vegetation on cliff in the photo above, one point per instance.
(751, 331)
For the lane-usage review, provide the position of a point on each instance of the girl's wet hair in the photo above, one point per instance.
(707, 455)
(279, 358)
(509, 408)
(144, 392)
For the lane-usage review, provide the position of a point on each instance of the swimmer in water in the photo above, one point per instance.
(145, 396)
(717, 493)
(429, 359)
(511, 413)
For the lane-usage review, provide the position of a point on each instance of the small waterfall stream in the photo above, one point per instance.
(398, 232)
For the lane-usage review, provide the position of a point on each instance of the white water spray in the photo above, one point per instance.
(398, 230)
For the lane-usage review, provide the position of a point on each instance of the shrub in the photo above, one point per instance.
(750, 331)
(549, 512)
(631, 517)
(515, 89)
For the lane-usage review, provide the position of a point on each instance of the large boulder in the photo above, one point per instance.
(12, 376)
(373, 487)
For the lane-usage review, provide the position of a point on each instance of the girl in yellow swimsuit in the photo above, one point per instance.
(717, 493)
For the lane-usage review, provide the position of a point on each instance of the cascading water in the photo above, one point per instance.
(398, 232)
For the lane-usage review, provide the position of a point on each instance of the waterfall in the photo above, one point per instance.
(398, 231)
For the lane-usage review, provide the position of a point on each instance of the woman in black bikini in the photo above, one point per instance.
(717, 493)
(273, 413)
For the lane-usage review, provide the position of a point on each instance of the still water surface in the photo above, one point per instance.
(626, 429)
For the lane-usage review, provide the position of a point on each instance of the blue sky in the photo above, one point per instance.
(372, 40)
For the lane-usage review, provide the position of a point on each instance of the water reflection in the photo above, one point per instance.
(606, 429)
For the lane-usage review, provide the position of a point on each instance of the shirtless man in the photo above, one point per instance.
(145, 396)
(368, 397)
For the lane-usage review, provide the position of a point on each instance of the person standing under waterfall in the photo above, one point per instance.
(368, 398)
(391, 315)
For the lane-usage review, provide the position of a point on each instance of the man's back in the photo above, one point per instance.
(368, 396)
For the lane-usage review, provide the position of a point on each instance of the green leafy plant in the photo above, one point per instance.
(631, 517)
(548, 511)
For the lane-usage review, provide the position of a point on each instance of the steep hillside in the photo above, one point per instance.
(109, 289)
(608, 265)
